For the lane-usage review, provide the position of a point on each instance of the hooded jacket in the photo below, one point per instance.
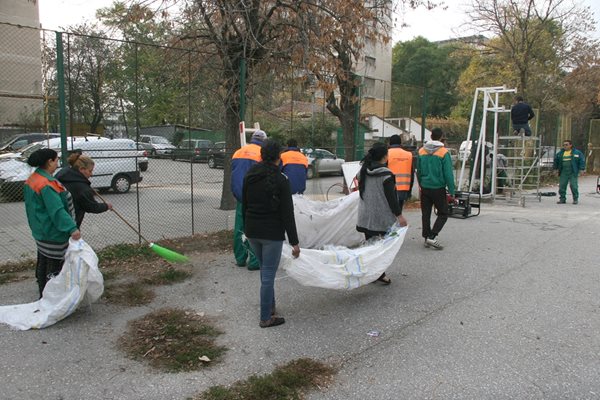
(81, 190)
(378, 206)
(434, 167)
(47, 207)
(267, 204)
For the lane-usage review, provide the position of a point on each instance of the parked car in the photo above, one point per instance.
(464, 151)
(216, 155)
(17, 142)
(321, 161)
(115, 164)
(193, 150)
(547, 157)
(161, 147)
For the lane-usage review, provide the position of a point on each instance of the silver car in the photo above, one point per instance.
(321, 161)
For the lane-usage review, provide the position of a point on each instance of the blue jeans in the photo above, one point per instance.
(268, 253)
(518, 127)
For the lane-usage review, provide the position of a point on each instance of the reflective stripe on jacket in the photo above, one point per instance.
(400, 163)
(241, 162)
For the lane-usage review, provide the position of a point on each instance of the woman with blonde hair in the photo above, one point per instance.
(77, 181)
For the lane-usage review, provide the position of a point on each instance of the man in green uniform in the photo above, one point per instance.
(569, 161)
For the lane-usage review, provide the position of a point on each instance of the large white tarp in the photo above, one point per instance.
(79, 282)
(321, 223)
(343, 268)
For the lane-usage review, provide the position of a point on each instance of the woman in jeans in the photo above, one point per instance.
(378, 208)
(50, 215)
(268, 213)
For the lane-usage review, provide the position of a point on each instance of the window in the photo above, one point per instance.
(370, 61)
(369, 87)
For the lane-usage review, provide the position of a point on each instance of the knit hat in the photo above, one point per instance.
(261, 136)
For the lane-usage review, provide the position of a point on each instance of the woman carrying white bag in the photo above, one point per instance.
(378, 208)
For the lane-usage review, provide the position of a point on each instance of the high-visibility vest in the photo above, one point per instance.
(250, 152)
(400, 163)
(293, 157)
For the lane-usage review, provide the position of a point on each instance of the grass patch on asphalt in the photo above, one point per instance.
(173, 340)
(128, 294)
(167, 276)
(18, 266)
(287, 382)
(124, 251)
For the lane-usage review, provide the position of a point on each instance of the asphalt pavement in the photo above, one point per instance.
(508, 310)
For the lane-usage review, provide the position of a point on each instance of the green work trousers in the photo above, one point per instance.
(567, 176)
(241, 249)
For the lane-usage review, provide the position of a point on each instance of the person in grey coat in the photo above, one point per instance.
(378, 208)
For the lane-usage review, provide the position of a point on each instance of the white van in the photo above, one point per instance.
(116, 160)
(464, 151)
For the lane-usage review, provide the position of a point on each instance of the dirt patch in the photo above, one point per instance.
(173, 340)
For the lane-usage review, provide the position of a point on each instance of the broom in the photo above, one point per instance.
(165, 253)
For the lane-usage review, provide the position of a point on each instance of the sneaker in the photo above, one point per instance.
(561, 201)
(433, 243)
(575, 202)
(274, 321)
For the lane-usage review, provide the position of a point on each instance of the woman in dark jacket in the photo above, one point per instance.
(378, 208)
(77, 181)
(268, 212)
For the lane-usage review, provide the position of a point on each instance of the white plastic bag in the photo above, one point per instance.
(332, 222)
(79, 281)
(338, 267)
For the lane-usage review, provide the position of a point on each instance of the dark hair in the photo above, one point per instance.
(40, 158)
(568, 141)
(395, 139)
(375, 154)
(519, 98)
(436, 133)
(292, 143)
(270, 152)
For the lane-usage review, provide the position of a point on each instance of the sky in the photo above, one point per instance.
(439, 24)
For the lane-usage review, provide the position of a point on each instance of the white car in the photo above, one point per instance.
(321, 161)
(161, 147)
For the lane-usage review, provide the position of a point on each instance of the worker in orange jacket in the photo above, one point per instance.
(294, 165)
(402, 164)
(241, 161)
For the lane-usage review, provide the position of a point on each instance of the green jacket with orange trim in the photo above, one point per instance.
(47, 208)
(434, 167)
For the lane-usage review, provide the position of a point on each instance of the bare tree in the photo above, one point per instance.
(521, 26)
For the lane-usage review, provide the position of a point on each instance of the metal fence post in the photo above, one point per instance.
(60, 72)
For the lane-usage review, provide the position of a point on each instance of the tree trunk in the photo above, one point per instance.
(232, 138)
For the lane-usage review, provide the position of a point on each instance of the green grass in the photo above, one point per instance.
(6, 277)
(290, 381)
(18, 266)
(167, 276)
(173, 340)
(128, 294)
(121, 252)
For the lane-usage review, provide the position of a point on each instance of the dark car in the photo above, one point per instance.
(193, 150)
(216, 155)
(17, 142)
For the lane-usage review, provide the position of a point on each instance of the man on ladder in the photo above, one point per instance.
(520, 114)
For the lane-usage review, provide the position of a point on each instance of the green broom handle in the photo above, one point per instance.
(122, 219)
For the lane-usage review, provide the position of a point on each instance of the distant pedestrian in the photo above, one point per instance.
(378, 208)
(241, 162)
(402, 164)
(569, 162)
(294, 165)
(520, 114)
(77, 181)
(435, 174)
(50, 215)
(268, 212)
